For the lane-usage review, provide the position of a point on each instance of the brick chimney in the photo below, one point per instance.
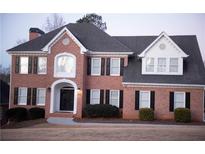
(34, 33)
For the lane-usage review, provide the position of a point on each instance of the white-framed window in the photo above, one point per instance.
(114, 97)
(95, 96)
(23, 65)
(115, 67)
(144, 99)
(179, 100)
(173, 66)
(42, 65)
(65, 65)
(95, 66)
(149, 64)
(22, 96)
(41, 96)
(161, 65)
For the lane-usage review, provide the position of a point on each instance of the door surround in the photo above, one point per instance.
(54, 90)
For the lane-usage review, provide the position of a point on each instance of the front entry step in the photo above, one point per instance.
(61, 114)
(61, 121)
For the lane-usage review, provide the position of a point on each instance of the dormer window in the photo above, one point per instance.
(161, 65)
(173, 67)
(149, 64)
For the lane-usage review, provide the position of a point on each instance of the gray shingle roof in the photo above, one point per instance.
(89, 35)
(194, 71)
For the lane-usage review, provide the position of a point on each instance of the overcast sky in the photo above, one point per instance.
(16, 26)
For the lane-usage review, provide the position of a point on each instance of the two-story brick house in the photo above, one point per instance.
(80, 64)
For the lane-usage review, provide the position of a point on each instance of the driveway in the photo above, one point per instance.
(107, 132)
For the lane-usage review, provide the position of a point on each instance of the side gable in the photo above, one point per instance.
(48, 46)
(163, 37)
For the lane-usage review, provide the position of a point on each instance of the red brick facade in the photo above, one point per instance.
(84, 82)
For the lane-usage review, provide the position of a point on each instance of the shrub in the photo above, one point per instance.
(146, 114)
(101, 110)
(36, 113)
(17, 114)
(182, 115)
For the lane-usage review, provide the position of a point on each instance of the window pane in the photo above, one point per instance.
(149, 64)
(41, 96)
(95, 70)
(24, 65)
(114, 98)
(65, 64)
(95, 96)
(22, 96)
(179, 100)
(161, 67)
(173, 65)
(144, 99)
(42, 64)
(115, 66)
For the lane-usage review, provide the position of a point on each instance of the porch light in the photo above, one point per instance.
(49, 89)
(79, 91)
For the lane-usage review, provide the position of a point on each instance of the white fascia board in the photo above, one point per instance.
(64, 30)
(109, 53)
(183, 54)
(165, 85)
(26, 52)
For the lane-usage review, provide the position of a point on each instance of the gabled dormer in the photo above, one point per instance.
(162, 57)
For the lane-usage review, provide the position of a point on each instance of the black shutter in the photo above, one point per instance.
(107, 101)
(102, 66)
(101, 96)
(137, 100)
(34, 96)
(108, 66)
(15, 95)
(121, 98)
(30, 65)
(29, 96)
(88, 96)
(88, 66)
(121, 66)
(187, 100)
(152, 98)
(35, 66)
(171, 101)
(17, 64)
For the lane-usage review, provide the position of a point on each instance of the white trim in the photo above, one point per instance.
(183, 54)
(52, 93)
(73, 75)
(133, 84)
(26, 52)
(118, 92)
(147, 91)
(108, 53)
(46, 65)
(48, 46)
(91, 95)
(180, 92)
(95, 74)
(114, 74)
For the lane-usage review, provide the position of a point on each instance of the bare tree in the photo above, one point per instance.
(5, 73)
(53, 22)
(20, 41)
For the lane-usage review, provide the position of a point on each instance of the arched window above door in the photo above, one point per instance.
(65, 65)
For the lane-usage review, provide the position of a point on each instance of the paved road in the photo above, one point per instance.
(108, 132)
